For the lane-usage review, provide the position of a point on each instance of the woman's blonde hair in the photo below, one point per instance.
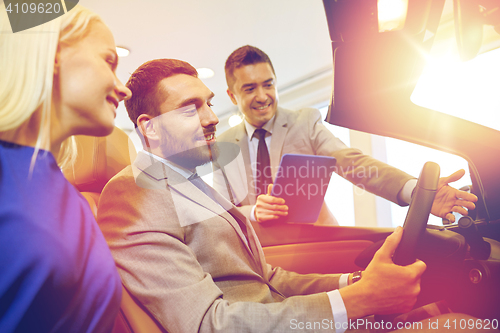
(27, 61)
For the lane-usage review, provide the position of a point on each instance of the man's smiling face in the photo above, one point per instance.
(187, 122)
(254, 91)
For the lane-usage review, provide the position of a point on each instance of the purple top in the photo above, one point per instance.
(56, 270)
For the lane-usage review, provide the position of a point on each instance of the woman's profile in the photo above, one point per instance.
(57, 80)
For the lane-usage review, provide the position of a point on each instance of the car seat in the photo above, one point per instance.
(98, 160)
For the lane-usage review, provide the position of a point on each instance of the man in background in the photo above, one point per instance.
(269, 131)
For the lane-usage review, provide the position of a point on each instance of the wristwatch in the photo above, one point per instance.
(356, 276)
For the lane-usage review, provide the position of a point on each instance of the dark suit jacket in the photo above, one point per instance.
(185, 258)
(303, 132)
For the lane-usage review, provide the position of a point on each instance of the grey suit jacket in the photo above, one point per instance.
(303, 132)
(185, 258)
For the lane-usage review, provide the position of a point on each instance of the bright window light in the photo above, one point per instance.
(234, 120)
(122, 52)
(391, 14)
(339, 196)
(469, 90)
(205, 73)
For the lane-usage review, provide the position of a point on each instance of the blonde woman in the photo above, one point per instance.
(56, 80)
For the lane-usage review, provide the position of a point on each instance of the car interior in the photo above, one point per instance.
(375, 74)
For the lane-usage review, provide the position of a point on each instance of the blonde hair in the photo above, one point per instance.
(27, 61)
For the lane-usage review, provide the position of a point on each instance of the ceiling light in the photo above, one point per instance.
(122, 52)
(205, 73)
(234, 120)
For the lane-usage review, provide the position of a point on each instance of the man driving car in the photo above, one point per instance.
(192, 259)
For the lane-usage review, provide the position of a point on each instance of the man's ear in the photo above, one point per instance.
(231, 95)
(148, 131)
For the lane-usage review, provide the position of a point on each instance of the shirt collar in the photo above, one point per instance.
(267, 126)
(181, 170)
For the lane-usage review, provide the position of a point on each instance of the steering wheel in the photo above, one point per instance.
(418, 214)
(415, 221)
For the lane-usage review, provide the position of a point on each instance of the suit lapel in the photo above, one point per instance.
(148, 165)
(280, 128)
(251, 243)
(256, 247)
(254, 243)
(160, 172)
(241, 139)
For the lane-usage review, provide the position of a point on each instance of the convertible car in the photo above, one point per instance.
(376, 69)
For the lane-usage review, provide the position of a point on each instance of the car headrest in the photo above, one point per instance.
(99, 159)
